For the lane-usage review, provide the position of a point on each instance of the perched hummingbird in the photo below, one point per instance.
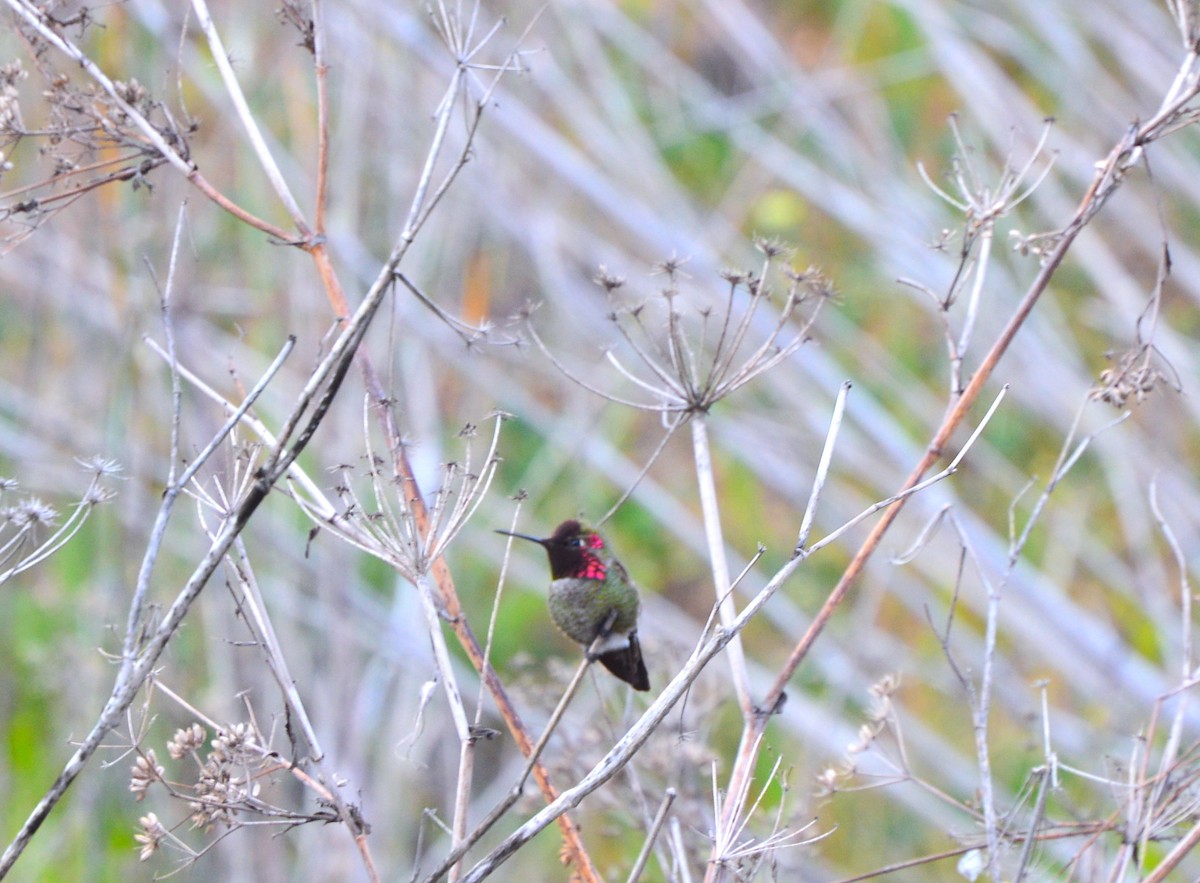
(591, 596)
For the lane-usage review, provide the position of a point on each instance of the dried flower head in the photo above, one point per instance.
(84, 120)
(386, 523)
(827, 782)
(131, 92)
(607, 281)
(187, 741)
(218, 792)
(772, 248)
(701, 353)
(670, 267)
(881, 693)
(152, 833)
(30, 513)
(145, 772)
(1134, 376)
(867, 734)
(236, 744)
(101, 467)
(11, 126)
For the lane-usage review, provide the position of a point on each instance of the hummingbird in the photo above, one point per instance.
(592, 598)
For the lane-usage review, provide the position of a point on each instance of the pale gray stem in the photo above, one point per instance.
(707, 485)
(660, 818)
(242, 108)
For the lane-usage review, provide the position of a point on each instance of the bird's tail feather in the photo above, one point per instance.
(627, 664)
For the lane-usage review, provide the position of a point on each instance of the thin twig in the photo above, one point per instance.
(1039, 812)
(37, 20)
(460, 846)
(672, 425)
(660, 818)
(633, 739)
(134, 670)
(835, 425)
(247, 119)
(754, 726)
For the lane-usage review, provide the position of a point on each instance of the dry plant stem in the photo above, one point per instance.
(981, 704)
(907, 863)
(629, 744)
(448, 595)
(37, 20)
(441, 657)
(229, 78)
(142, 585)
(754, 727)
(673, 422)
(454, 698)
(1104, 184)
(1039, 813)
(555, 718)
(749, 728)
(169, 334)
(447, 592)
(134, 670)
(679, 853)
(462, 800)
(451, 863)
(1175, 856)
(716, 549)
(1143, 803)
(259, 623)
(176, 486)
(316, 243)
(501, 582)
(981, 699)
(417, 211)
(732, 814)
(835, 425)
(660, 818)
(1094, 829)
(1138, 811)
(118, 163)
(1047, 749)
(459, 837)
(321, 71)
(964, 339)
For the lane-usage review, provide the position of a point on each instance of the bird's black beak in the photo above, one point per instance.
(522, 536)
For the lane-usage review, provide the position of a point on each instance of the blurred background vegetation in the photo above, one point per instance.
(638, 131)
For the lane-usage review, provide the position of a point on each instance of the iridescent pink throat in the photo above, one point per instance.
(593, 567)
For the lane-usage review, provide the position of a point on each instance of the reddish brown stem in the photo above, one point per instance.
(955, 416)
(1097, 194)
(583, 869)
(201, 184)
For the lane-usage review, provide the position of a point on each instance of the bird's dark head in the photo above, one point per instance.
(573, 550)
